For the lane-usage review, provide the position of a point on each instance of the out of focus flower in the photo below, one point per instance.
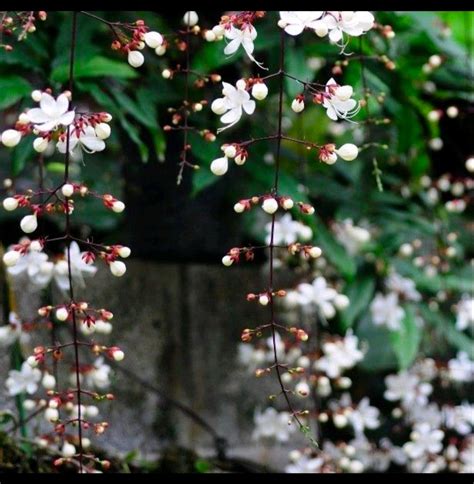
(272, 424)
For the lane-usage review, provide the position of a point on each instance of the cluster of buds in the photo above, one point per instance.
(232, 151)
(19, 24)
(264, 298)
(328, 153)
(271, 203)
(309, 251)
(234, 255)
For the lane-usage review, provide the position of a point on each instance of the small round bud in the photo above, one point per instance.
(270, 205)
(259, 91)
(220, 166)
(315, 252)
(190, 18)
(118, 206)
(118, 355)
(62, 314)
(11, 137)
(29, 404)
(348, 151)
(218, 106)
(339, 420)
(11, 257)
(297, 105)
(10, 204)
(288, 204)
(40, 144)
(341, 301)
(210, 36)
(135, 58)
(29, 224)
(67, 190)
(227, 260)
(51, 415)
(302, 389)
(452, 112)
(321, 29)
(153, 39)
(240, 159)
(435, 61)
(32, 361)
(36, 95)
(230, 151)
(68, 450)
(124, 252)
(239, 207)
(263, 299)
(48, 381)
(103, 130)
(161, 50)
(470, 164)
(166, 74)
(117, 268)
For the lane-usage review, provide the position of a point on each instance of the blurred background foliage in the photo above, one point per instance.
(138, 101)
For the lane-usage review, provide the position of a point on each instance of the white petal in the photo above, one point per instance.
(48, 105)
(249, 106)
(294, 29)
(232, 46)
(62, 104)
(232, 116)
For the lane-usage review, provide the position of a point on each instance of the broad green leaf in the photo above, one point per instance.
(12, 89)
(97, 66)
(21, 154)
(406, 340)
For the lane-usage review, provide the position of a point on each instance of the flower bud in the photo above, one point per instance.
(153, 39)
(161, 50)
(341, 301)
(263, 299)
(339, 420)
(227, 260)
(117, 268)
(259, 91)
(118, 355)
(190, 18)
(270, 205)
(11, 257)
(302, 389)
(124, 252)
(297, 105)
(166, 74)
(315, 252)
(29, 224)
(40, 144)
(288, 204)
(343, 93)
(36, 95)
(67, 189)
(51, 415)
(220, 166)
(68, 450)
(102, 130)
(218, 30)
(32, 361)
(210, 36)
(118, 206)
(10, 204)
(230, 151)
(135, 58)
(239, 207)
(218, 106)
(11, 137)
(92, 411)
(62, 314)
(348, 151)
(321, 29)
(240, 159)
(48, 381)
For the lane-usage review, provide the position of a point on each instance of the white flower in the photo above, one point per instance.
(337, 108)
(305, 465)
(35, 267)
(351, 23)
(318, 294)
(25, 380)
(364, 416)
(241, 37)
(339, 355)
(461, 368)
(465, 313)
(287, 231)
(347, 151)
(79, 268)
(88, 140)
(250, 356)
(403, 286)
(295, 22)
(235, 101)
(460, 418)
(424, 440)
(386, 311)
(9, 333)
(52, 113)
(430, 413)
(352, 237)
(407, 388)
(68, 450)
(466, 456)
(99, 375)
(271, 424)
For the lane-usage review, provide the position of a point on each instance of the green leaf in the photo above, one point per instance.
(360, 292)
(20, 155)
(12, 89)
(97, 66)
(7, 416)
(334, 251)
(406, 340)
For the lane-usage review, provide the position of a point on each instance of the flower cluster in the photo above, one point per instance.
(19, 25)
